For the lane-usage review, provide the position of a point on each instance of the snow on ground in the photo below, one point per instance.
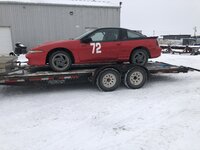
(163, 115)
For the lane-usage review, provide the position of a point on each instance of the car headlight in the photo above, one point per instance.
(35, 51)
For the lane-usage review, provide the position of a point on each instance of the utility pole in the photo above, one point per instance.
(154, 32)
(195, 31)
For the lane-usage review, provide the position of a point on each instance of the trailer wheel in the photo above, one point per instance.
(108, 80)
(135, 78)
(60, 61)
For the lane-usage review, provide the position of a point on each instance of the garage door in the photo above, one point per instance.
(5, 40)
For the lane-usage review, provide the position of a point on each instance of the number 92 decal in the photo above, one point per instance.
(96, 48)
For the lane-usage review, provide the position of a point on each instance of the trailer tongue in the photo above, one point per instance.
(107, 77)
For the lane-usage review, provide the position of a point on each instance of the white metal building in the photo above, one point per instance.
(33, 22)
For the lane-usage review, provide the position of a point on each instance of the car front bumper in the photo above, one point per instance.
(36, 59)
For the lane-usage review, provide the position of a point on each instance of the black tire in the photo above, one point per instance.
(108, 80)
(135, 78)
(60, 61)
(139, 57)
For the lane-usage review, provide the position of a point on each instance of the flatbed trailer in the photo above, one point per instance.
(107, 77)
(181, 49)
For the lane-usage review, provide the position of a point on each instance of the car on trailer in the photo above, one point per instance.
(103, 45)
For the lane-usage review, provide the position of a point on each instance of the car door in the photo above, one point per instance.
(103, 47)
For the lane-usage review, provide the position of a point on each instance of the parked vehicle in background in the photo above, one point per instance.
(103, 45)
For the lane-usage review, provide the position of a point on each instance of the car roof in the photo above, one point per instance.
(110, 28)
(117, 28)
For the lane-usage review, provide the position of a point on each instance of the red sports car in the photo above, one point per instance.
(103, 45)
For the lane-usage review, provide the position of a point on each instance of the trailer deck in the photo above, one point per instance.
(25, 76)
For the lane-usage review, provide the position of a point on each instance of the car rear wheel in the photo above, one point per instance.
(60, 61)
(139, 57)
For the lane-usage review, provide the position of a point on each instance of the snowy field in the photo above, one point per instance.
(163, 115)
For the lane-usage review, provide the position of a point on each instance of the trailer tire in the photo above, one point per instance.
(135, 78)
(108, 80)
(60, 61)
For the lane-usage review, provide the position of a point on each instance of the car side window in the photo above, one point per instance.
(133, 34)
(124, 35)
(105, 35)
(98, 36)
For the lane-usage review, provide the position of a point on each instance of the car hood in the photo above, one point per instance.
(60, 43)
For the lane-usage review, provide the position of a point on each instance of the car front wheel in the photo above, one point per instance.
(60, 61)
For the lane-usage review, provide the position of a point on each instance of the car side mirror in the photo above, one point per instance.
(86, 40)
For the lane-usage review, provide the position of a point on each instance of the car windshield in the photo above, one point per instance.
(84, 34)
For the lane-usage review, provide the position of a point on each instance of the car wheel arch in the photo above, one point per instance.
(137, 48)
(60, 49)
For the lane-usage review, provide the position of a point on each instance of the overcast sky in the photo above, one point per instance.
(161, 16)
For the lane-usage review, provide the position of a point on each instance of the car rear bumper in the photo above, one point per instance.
(156, 52)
